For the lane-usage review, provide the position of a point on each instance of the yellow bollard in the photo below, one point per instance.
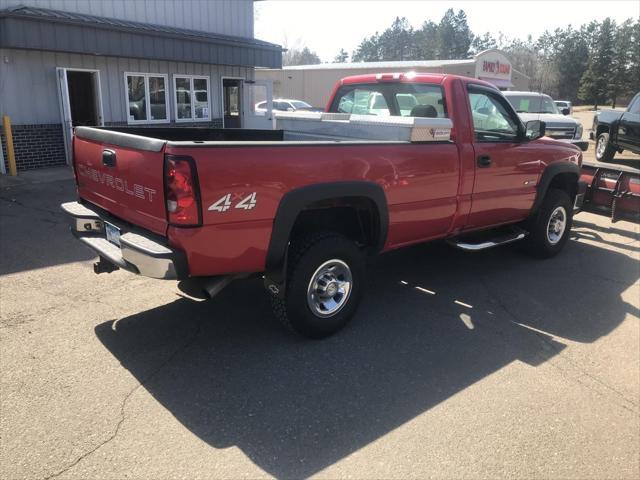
(11, 156)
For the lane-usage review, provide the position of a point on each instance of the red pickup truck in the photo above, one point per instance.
(213, 205)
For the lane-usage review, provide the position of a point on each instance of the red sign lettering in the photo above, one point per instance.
(496, 67)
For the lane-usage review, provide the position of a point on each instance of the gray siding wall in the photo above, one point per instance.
(230, 17)
(29, 91)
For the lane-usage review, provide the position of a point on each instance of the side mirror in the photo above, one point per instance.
(534, 129)
(566, 111)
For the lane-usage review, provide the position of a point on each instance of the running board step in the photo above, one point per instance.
(488, 239)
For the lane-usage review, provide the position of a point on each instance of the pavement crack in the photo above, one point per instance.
(123, 404)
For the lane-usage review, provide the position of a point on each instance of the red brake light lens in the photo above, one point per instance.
(181, 192)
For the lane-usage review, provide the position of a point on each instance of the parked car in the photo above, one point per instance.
(286, 105)
(538, 106)
(175, 203)
(565, 106)
(615, 131)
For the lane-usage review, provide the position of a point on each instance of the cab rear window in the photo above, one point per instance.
(391, 99)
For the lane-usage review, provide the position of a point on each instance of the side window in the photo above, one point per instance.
(146, 98)
(635, 105)
(191, 98)
(491, 120)
(548, 105)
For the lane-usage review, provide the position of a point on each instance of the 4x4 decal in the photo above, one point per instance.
(223, 204)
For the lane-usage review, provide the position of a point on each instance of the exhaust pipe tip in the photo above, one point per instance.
(204, 288)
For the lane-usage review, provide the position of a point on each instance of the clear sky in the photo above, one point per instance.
(326, 26)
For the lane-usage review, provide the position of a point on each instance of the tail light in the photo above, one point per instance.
(181, 192)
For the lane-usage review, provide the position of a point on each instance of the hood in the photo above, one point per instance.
(550, 119)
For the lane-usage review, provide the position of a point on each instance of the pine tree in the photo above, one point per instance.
(594, 84)
(397, 42)
(341, 57)
(565, 54)
(368, 50)
(426, 41)
(446, 36)
(622, 61)
(463, 36)
(634, 67)
(482, 43)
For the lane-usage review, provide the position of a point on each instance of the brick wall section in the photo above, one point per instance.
(41, 146)
(36, 146)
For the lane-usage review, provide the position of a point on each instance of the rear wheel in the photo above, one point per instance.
(549, 227)
(604, 150)
(324, 285)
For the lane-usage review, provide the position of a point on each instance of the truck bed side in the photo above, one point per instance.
(420, 182)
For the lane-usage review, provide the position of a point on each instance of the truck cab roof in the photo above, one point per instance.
(408, 77)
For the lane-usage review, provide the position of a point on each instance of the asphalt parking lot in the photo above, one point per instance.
(510, 367)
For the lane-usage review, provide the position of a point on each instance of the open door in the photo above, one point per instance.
(80, 100)
(65, 110)
(258, 101)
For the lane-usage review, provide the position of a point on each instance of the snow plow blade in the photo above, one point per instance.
(613, 190)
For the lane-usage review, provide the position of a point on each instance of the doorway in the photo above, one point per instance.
(80, 101)
(232, 102)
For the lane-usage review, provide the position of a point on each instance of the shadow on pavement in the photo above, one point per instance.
(33, 230)
(435, 321)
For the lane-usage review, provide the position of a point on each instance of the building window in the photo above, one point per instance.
(191, 98)
(146, 97)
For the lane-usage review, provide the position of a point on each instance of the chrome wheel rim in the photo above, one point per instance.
(329, 288)
(601, 147)
(557, 225)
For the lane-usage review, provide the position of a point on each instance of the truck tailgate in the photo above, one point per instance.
(122, 174)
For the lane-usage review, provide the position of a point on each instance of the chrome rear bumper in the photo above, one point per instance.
(140, 251)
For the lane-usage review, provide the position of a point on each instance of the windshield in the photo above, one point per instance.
(532, 104)
(300, 104)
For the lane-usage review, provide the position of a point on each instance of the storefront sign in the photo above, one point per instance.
(489, 66)
(492, 64)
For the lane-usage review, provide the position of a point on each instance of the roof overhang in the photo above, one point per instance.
(52, 30)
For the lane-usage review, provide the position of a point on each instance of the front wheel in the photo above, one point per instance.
(324, 285)
(604, 150)
(549, 227)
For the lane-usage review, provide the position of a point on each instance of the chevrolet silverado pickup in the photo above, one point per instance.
(305, 204)
(615, 131)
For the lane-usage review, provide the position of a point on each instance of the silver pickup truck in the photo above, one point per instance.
(538, 106)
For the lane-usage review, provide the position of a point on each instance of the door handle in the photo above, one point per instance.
(484, 161)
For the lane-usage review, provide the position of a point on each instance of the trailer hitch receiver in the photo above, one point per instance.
(104, 266)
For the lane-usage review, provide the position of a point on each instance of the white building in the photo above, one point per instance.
(112, 62)
(313, 83)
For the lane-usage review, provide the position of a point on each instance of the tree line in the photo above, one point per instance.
(595, 63)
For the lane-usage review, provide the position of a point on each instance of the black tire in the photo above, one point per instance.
(604, 150)
(305, 258)
(540, 242)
